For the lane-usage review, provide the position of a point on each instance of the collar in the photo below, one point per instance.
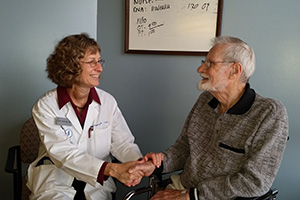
(64, 97)
(242, 106)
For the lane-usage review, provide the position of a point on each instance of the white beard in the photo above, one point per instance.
(206, 87)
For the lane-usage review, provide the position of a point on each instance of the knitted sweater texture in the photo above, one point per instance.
(235, 154)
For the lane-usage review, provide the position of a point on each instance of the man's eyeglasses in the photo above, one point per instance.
(208, 63)
(93, 63)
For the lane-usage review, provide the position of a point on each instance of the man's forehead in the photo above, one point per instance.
(217, 51)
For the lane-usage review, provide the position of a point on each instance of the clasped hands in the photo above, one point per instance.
(131, 173)
(145, 167)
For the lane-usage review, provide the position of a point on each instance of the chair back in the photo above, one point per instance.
(29, 141)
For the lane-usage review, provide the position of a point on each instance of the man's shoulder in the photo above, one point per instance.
(266, 104)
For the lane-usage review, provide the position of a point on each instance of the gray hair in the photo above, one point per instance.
(238, 51)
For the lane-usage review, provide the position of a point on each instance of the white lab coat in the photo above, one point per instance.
(73, 152)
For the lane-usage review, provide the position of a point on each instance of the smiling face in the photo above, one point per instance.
(90, 75)
(215, 78)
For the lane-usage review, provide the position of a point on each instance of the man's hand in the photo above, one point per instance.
(155, 157)
(146, 168)
(170, 194)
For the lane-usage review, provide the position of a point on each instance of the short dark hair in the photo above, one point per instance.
(63, 65)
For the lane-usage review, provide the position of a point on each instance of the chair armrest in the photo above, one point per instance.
(274, 192)
(156, 182)
(137, 192)
(13, 165)
(150, 189)
(13, 162)
(163, 179)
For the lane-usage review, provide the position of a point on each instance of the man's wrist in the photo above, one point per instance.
(185, 195)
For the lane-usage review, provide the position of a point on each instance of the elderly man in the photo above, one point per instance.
(233, 139)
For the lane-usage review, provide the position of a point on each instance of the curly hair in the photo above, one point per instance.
(63, 65)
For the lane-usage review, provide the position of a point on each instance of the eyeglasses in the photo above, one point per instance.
(208, 63)
(93, 63)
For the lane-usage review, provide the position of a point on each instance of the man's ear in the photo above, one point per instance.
(236, 69)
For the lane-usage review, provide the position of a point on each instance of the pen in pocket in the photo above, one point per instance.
(90, 130)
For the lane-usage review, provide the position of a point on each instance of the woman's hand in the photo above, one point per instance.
(120, 171)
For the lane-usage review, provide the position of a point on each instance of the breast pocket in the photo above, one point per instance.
(231, 157)
(100, 141)
(231, 148)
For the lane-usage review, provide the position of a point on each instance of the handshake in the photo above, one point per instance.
(131, 173)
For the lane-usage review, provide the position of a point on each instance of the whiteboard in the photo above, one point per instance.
(171, 26)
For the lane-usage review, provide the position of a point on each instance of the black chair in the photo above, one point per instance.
(20, 156)
(156, 183)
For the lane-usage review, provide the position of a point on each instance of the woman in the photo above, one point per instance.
(80, 126)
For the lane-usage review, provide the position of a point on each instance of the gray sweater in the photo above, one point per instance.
(237, 153)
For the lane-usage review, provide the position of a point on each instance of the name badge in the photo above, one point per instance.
(63, 121)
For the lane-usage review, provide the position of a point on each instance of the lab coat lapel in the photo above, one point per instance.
(92, 115)
(71, 115)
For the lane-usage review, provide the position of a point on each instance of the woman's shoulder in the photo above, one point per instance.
(51, 94)
(104, 95)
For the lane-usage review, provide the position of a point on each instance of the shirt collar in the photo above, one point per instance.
(64, 97)
(242, 106)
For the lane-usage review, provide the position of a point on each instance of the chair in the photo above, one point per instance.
(20, 155)
(156, 183)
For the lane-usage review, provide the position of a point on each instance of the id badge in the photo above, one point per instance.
(63, 121)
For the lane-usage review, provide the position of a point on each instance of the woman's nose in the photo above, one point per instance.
(99, 67)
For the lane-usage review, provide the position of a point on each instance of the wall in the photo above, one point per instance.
(29, 31)
(156, 92)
